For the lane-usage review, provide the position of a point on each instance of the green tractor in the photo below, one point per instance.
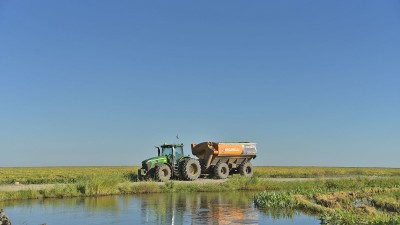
(170, 163)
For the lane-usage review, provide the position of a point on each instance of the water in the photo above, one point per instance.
(164, 208)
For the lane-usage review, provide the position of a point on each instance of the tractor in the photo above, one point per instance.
(170, 163)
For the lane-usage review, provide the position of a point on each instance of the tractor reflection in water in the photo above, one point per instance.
(203, 208)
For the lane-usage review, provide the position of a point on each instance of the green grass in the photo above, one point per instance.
(27, 194)
(387, 201)
(320, 172)
(344, 201)
(53, 175)
(272, 199)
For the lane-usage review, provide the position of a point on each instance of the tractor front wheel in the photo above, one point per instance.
(139, 175)
(163, 173)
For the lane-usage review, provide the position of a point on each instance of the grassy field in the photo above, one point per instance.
(53, 175)
(320, 172)
(46, 175)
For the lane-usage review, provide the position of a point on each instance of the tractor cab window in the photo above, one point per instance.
(178, 152)
(167, 151)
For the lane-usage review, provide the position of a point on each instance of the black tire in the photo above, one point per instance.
(150, 174)
(221, 170)
(191, 169)
(180, 168)
(163, 173)
(246, 169)
(203, 166)
(140, 177)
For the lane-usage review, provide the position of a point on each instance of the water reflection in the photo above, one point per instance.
(165, 208)
(210, 208)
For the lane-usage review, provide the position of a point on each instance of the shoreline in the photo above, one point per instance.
(200, 181)
(96, 186)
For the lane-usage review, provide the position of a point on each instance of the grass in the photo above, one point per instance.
(387, 201)
(53, 175)
(344, 201)
(274, 199)
(320, 172)
(97, 186)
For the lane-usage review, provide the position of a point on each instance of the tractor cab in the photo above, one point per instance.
(173, 151)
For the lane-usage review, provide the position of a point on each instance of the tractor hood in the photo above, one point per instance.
(153, 158)
(153, 161)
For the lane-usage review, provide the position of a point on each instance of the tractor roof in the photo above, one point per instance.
(165, 145)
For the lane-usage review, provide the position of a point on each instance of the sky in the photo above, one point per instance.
(313, 83)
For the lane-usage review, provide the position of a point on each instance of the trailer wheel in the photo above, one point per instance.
(191, 169)
(246, 169)
(163, 173)
(221, 170)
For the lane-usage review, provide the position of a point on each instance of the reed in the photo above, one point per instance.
(387, 201)
(274, 199)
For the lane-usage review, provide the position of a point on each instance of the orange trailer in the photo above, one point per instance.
(223, 158)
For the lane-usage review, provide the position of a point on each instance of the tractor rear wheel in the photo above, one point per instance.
(179, 174)
(246, 169)
(191, 169)
(221, 170)
(163, 173)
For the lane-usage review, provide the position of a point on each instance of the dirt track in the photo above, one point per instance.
(20, 187)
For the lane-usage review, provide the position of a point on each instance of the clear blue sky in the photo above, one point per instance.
(314, 83)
